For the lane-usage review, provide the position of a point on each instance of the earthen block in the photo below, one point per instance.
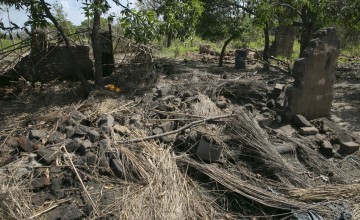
(349, 147)
(308, 131)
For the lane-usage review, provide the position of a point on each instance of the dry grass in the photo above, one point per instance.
(167, 194)
(327, 193)
(157, 184)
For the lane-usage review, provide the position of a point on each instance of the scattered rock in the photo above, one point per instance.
(81, 130)
(91, 158)
(221, 104)
(12, 142)
(25, 144)
(157, 131)
(326, 148)
(37, 134)
(40, 182)
(103, 166)
(276, 92)
(64, 212)
(56, 138)
(168, 138)
(308, 131)
(77, 117)
(135, 118)
(117, 168)
(284, 148)
(106, 120)
(301, 121)
(167, 126)
(187, 94)
(348, 147)
(177, 101)
(72, 145)
(106, 130)
(93, 135)
(47, 155)
(69, 131)
(263, 121)
(123, 130)
(104, 143)
(164, 91)
(270, 104)
(38, 199)
(164, 107)
(86, 144)
(343, 137)
(192, 99)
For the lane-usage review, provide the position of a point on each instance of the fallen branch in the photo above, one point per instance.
(269, 64)
(273, 66)
(175, 131)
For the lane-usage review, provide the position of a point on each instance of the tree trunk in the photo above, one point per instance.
(307, 18)
(267, 45)
(96, 44)
(221, 58)
(169, 39)
(81, 77)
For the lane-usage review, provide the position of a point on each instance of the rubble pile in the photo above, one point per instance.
(191, 145)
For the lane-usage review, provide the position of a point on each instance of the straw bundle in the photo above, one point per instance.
(327, 192)
(167, 193)
(255, 140)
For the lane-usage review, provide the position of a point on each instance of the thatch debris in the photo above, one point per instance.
(130, 156)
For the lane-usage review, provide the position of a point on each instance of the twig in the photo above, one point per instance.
(7, 137)
(82, 183)
(175, 131)
(48, 209)
(179, 113)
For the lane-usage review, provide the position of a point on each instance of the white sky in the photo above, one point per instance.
(71, 7)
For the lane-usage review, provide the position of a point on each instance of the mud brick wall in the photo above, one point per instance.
(284, 41)
(314, 73)
(56, 63)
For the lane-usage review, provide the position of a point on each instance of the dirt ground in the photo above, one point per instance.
(204, 91)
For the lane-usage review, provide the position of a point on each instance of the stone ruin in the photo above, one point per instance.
(314, 73)
(284, 40)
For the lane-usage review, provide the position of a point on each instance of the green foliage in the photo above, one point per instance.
(142, 26)
(88, 24)
(221, 20)
(61, 16)
(179, 17)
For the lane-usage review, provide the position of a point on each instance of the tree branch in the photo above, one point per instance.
(175, 131)
(289, 6)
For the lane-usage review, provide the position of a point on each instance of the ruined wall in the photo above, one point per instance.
(283, 42)
(314, 73)
(56, 63)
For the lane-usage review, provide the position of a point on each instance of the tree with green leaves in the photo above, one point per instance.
(220, 20)
(177, 18)
(142, 26)
(61, 16)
